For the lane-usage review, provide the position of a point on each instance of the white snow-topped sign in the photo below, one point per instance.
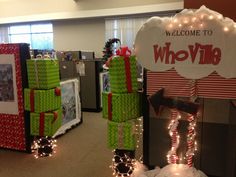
(194, 42)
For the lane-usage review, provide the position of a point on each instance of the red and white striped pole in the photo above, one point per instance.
(172, 157)
(191, 140)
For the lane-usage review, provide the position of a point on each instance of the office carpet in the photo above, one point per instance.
(81, 152)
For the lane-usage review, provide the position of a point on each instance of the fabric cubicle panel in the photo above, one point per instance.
(90, 86)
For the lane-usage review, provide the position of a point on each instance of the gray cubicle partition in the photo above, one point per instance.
(90, 86)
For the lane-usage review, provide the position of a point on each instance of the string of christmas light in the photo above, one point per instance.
(199, 20)
(172, 156)
(191, 143)
(122, 162)
(125, 161)
(44, 147)
(138, 132)
(192, 119)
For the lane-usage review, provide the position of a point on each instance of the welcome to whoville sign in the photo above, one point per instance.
(194, 42)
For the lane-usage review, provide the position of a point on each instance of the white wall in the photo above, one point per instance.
(78, 27)
(29, 7)
(80, 35)
(12, 11)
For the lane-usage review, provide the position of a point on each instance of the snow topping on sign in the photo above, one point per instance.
(173, 170)
(194, 42)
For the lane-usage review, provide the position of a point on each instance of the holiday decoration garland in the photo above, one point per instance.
(108, 49)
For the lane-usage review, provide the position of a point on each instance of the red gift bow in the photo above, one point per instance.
(124, 51)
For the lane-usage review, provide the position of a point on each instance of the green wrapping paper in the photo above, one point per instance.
(43, 73)
(45, 125)
(117, 74)
(42, 100)
(122, 135)
(122, 106)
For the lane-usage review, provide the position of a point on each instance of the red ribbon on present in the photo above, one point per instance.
(55, 116)
(57, 91)
(110, 106)
(126, 52)
(42, 120)
(108, 62)
(32, 100)
(41, 124)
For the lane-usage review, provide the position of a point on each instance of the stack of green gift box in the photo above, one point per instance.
(122, 106)
(43, 97)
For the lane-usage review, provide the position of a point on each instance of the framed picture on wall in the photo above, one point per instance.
(14, 121)
(8, 89)
(104, 83)
(71, 105)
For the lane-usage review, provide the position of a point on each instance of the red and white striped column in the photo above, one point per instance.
(172, 157)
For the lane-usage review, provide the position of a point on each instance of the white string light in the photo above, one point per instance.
(194, 19)
(44, 147)
(122, 162)
(226, 29)
(201, 25)
(175, 20)
(138, 131)
(170, 25)
(191, 143)
(202, 16)
(198, 20)
(172, 156)
(211, 17)
(220, 17)
(119, 162)
(186, 21)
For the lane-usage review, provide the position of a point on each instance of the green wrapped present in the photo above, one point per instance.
(123, 74)
(122, 135)
(43, 73)
(120, 107)
(45, 124)
(42, 100)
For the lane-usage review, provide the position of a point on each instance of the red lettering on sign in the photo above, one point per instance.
(207, 54)
(159, 53)
(193, 51)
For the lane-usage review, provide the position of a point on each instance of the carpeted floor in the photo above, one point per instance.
(81, 152)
